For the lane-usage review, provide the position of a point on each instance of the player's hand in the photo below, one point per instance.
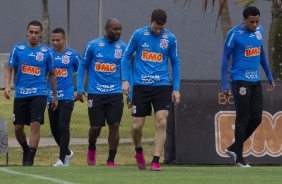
(128, 103)
(175, 96)
(271, 86)
(125, 88)
(79, 97)
(7, 93)
(226, 92)
(54, 103)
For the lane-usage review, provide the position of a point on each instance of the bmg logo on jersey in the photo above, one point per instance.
(30, 70)
(152, 56)
(252, 52)
(61, 72)
(105, 67)
(266, 140)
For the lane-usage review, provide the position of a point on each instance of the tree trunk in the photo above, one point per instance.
(275, 40)
(45, 23)
(225, 19)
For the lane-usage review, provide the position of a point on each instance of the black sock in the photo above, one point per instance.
(156, 159)
(25, 146)
(112, 154)
(31, 154)
(68, 152)
(139, 150)
(92, 146)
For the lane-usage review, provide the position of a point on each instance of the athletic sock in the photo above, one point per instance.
(25, 146)
(156, 159)
(139, 150)
(112, 154)
(31, 154)
(92, 146)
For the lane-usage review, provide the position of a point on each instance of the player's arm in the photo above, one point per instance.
(53, 80)
(8, 73)
(266, 69)
(83, 65)
(8, 76)
(227, 52)
(175, 65)
(126, 68)
(75, 67)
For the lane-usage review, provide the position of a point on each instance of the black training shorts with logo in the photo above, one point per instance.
(146, 96)
(29, 109)
(103, 107)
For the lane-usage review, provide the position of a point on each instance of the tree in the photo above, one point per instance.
(275, 40)
(45, 23)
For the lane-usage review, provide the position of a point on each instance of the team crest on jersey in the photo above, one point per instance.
(259, 37)
(241, 32)
(242, 91)
(117, 45)
(118, 53)
(101, 44)
(22, 47)
(43, 49)
(146, 33)
(90, 103)
(39, 56)
(164, 43)
(66, 59)
(68, 53)
(165, 36)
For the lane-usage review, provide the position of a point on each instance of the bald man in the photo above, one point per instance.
(102, 59)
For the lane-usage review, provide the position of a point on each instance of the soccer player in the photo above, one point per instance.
(154, 46)
(33, 61)
(66, 61)
(102, 58)
(245, 43)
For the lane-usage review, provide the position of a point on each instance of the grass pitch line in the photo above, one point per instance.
(36, 176)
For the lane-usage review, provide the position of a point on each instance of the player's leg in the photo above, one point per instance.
(20, 118)
(96, 113)
(37, 110)
(114, 110)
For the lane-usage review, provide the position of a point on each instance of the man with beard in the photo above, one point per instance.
(33, 61)
(102, 60)
(154, 46)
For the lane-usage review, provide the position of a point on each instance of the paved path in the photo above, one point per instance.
(49, 141)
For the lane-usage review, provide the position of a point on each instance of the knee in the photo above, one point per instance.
(95, 129)
(161, 125)
(136, 127)
(18, 128)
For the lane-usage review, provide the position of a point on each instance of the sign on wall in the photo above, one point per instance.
(204, 124)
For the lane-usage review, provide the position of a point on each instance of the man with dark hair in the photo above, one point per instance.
(102, 58)
(33, 61)
(245, 43)
(154, 46)
(66, 61)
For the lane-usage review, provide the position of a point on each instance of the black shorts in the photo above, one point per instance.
(103, 107)
(146, 96)
(27, 110)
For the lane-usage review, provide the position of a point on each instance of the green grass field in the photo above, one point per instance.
(131, 175)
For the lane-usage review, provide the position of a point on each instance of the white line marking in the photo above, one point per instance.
(35, 176)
